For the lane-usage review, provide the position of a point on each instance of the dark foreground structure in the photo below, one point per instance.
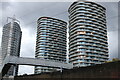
(106, 71)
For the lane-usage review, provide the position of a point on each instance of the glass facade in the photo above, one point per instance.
(51, 42)
(11, 41)
(87, 34)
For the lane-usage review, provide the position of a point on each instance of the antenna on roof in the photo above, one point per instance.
(13, 19)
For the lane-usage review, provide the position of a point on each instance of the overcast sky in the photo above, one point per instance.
(28, 13)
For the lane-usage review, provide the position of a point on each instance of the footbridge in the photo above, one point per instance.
(13, 60)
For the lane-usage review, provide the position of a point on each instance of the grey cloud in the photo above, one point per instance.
(29, 12)
(113, 44)
(48, 9)
(5, 5)
(112, 15)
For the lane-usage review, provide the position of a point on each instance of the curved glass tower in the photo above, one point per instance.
(87, 34)
(11, 42)
(51, 42)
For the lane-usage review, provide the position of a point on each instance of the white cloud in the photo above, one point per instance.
(27, 43)
(113, 44)
(27, 50)
(25, 70)
(0, 35)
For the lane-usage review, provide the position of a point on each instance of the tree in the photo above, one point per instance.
(115, 59)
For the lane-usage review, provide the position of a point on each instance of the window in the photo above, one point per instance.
(81, 32)
(82, 26)
(43, 40)
(41, 50)
(42, 45)
(82, 42)
(81, 49)
(43, 37)
(41, 53)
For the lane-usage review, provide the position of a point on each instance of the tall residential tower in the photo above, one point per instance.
(87, 34)
(51, 42)
(11, 40)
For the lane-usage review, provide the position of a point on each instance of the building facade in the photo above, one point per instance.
(0, 56)
(10, 45)
(87, 34)
(118, 28)
(50, 42)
